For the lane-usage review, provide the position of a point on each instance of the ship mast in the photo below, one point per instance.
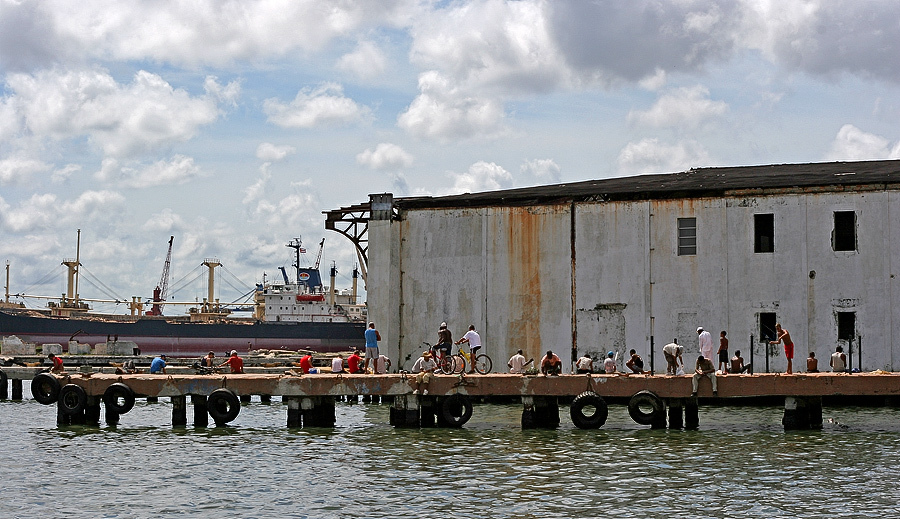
(297, 245)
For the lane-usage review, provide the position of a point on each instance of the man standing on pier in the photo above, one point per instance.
(785, 336)
(372, 338)
(706, 343)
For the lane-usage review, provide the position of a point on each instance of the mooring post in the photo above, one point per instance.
(92, 410)
(652, 356)
(691, 414)
(293, 417)
(751, 355)
(676, 413)
(16, 389)
(179, 410)
(201, 412)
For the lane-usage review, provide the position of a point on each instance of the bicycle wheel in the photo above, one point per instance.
(446, 365)
(483, 364)
(459, 363)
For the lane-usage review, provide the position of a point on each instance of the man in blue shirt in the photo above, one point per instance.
(372, 338)
(158, 365)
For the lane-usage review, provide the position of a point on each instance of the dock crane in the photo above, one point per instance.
(162, 289)
(319, 255)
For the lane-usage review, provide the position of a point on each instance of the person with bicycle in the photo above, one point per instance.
(444, 343)
(474, 340)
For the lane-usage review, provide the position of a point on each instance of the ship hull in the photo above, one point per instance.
(156, 336)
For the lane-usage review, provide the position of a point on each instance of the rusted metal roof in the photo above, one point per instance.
(694, 183)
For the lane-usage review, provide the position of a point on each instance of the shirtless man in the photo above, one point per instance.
(812, 363)
(723, 352)
(785, 336)
(737, 363)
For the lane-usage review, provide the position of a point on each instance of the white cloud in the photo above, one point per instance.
(257, 190)
(366, 61)
(540, 171)
(651, 156)
(325, 104)
(177, 170)
(273, 153)
(18, 169)
(490, 44)
(190, 34)
(851, 143)
(123, 120)
(385, 157)
(481, 176)
(688, 107)
(45, 211)
(166, 220)
(655, 81)
(444, 112)
(61, 175)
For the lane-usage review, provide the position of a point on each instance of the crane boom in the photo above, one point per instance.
(319, 255)
(162, 289)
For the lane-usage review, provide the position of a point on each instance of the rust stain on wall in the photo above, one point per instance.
(524, 264)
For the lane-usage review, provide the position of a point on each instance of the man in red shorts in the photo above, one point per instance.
(785, 336)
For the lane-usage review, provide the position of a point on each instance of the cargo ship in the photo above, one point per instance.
(298, 314)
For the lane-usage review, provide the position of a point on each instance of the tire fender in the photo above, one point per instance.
(596, 420)
(646, 398)
(45, 388)
(72, 399)
(456, 410)
(112, 395)
(223, 405)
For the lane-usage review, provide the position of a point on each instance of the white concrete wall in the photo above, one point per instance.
(509, 270)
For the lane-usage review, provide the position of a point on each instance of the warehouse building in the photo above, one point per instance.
(638, 262)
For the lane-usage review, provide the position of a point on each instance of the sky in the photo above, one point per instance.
(231, 125)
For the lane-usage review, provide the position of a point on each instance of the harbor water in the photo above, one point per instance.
(740, 464)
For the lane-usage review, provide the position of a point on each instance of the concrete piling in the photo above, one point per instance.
(201, 412)
(801, 413)
(676, 413)
(16, 389)
(691, 413)
(245, 399)
(92, 411)
(293, 414)
(179, 411)
(540, 412)
(405, 411)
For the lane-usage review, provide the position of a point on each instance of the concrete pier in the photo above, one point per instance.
(655, 401)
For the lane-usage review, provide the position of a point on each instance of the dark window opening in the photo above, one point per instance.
(687, 236)
(764, 233)
(767, 327)
(846, 322)
(844, 236)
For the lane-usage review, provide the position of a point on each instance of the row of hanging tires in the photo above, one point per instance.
(589, 410)
(222, 404)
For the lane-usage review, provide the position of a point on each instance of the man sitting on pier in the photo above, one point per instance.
(209, 360)
(422, 368)
(550, 364)
(158, 365)
(236, 363)
(584, 365)
(57, 363)
(517, 363)
(737, 364)
(306, 364)
(635, 363)
(704, 367)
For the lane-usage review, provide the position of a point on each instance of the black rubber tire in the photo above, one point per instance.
(646, 398)
(456, 410)
(223, 405)
(594, 421)
(112, 395)
(45, 388)
(483, 364)
(72, 400)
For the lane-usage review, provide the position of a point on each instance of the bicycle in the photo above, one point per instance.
(482, 363)
(448, 364)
